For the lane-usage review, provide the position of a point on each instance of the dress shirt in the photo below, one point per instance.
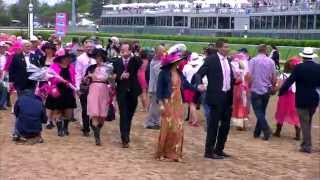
(226, 73)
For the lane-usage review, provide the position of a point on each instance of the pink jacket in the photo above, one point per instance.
(56, 67)
(52, 89)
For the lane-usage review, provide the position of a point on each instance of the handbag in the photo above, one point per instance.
(84, 85)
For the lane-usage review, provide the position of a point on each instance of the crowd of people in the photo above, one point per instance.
(48, 77)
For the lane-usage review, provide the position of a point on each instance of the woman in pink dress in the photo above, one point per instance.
(286, 107)
(142, 80)
(240, 112)
(98, 97)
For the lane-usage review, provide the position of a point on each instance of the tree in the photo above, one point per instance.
(96, 8)
(19, 11)
(4, 18)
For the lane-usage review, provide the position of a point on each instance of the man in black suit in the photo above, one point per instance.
(18, 74)
(128, 89)
(219, 95)
(307, 79)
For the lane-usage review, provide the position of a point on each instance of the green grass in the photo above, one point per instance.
(285, 52)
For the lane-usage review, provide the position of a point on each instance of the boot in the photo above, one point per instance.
(278, 130)
(297, 128)
(60, 128)
(96, 132)
(65, 127)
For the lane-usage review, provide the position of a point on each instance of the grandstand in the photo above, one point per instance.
(285, 19)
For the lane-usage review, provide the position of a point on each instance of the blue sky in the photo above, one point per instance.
(51, 2)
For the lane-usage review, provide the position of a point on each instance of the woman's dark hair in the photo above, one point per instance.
(48, 45)
(99, 52)
(60, 58)
(144, 54)
(274, 47)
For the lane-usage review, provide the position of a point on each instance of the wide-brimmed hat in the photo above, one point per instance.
(195, 59)
(48, 45)
(62, 54)
(308, 52)
(34, 39)
(170, 59)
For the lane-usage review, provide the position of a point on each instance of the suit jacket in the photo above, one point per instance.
(307, 78)
(18, 71)
(128, 85)
(213, 70)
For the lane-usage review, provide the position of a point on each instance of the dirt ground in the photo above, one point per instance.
(76, 157)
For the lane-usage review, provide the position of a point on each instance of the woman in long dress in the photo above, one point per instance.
(98, 97)
(46, 61)
(240, 112)
(170, 83)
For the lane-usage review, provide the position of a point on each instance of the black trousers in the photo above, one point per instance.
(85, 117)
(218, 126)
(127, 103)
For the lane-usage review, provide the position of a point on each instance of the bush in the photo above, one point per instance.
(209, 39)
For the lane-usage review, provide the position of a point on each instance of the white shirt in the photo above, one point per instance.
(82, 64)
(27, 59)
(226, 71)
(3, 60)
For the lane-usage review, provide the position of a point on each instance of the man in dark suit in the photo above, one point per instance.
(307, 79)
(219, 95)
(18, 70)
(128, 89)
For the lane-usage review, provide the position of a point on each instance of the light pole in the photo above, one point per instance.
(30, 19)
(74, 15)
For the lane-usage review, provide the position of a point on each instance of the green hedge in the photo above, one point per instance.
(210, 39)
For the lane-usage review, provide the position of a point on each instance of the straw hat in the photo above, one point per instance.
(308, 52)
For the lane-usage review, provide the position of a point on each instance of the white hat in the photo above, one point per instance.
(2, 44)
(308, 52)
(115, 39)
(24, 41)
(99, 46)
(195, 59)
(33, 38)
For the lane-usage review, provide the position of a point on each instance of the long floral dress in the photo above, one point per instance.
(171, 131)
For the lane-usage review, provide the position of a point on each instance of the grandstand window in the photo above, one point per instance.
(318, 21)
(303, 22)
(169, 20)
(179, 21)
(288, 22)
(269, 22)
(212, 22)
(310, 21)
(151, 21)
(224, 23)
(295, 22)
(203, 22)
(276, 22)
(257, 22)
(263, 22)
(282, 22)
(232, 22)
(252, 22)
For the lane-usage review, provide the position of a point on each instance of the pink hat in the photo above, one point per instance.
(293, 61)
(170, 58)
(240, 56)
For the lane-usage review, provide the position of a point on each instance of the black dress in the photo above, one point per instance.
(66, 100)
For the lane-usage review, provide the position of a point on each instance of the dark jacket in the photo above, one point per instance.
(128, 85)
(30, 113)
(18, 71)
(307, 78)
(164, 84)
(213, 70)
